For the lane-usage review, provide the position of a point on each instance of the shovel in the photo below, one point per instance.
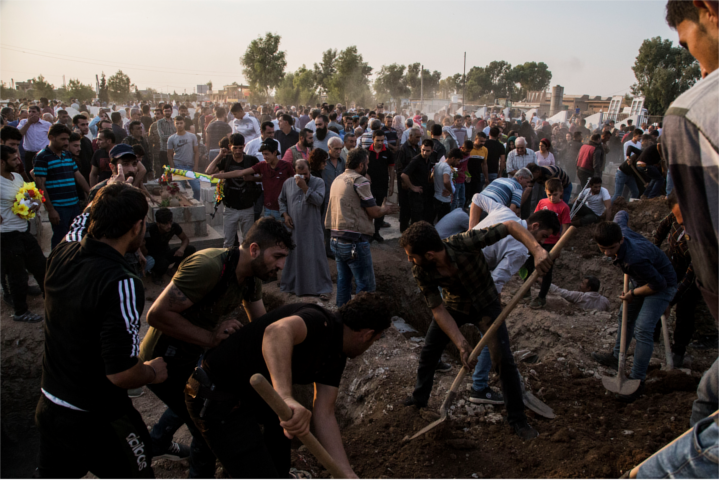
(535, 404)
(452, 394)
(667, 346)
(273, 399)
(620, 384)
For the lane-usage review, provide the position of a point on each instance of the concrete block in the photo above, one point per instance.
(213, 239)
(196, 213)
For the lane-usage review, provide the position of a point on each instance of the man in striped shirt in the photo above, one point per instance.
(56, 174)
(510, 192)
(542, 174)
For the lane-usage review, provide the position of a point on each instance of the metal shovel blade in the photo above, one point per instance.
(536, 405)
(620, 384)
(444, 413)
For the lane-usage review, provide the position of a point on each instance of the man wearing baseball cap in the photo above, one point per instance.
(273, 173)
(121, 154)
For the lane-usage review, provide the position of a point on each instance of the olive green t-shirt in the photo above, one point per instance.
(196, 277)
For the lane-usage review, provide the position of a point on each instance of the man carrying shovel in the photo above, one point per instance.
(469, 295)
(654, 285)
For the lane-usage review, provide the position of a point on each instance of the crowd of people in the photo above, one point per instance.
(479, 199)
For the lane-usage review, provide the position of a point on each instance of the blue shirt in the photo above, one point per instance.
(59, 173)
(643, 261)
(505, 191)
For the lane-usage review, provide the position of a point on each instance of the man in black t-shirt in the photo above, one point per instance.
(93, 303)
(495, 155)
(240, 194)
(415, 177)
(157, 245)
(381, 173)
(294, 344)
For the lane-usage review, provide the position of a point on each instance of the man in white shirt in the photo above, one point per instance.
(19, 250)
(243, 123)
(34, 130)
(588, 296)
(252, 148)
(468, 126)
(596, 208)
(520, 157)
(635, 142)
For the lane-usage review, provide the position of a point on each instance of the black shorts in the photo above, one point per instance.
(73, 443)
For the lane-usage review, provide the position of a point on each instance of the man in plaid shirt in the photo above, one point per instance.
(457, 266)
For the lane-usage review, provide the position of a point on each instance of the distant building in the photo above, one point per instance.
(231, 93)
(542, 101)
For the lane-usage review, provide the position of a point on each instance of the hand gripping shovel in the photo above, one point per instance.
(620, 384)
(273, 399)
(444, 410)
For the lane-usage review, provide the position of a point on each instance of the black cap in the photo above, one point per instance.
(269, 144)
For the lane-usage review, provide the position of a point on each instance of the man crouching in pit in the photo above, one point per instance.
(294, 344)
(457, 265)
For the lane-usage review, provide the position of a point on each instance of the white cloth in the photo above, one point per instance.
(35, 139)
(586, 300)
(248, 126)
(507, 256)
(252, 148)
(633, 144)
(8, 190)
(545, 162)
(595, 202)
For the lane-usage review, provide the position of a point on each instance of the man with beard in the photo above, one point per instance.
(185, 320)
(322, 135)
(302, 149)
(92, 309)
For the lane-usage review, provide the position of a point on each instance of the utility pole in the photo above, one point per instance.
(421, 88)
(63, 81)
(464, 82)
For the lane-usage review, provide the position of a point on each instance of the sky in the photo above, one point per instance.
(589, 46)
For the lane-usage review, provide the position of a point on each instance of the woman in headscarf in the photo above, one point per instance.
(449, 140)
(510, 144)
(398, 124)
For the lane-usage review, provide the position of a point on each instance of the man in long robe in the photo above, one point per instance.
(306, 270)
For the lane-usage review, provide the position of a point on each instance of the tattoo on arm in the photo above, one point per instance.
(176, 298)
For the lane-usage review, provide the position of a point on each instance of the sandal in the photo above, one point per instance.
(296, 473)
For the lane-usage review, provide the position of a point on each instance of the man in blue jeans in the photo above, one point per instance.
(653, 282)
(57, 175)
(350, 211)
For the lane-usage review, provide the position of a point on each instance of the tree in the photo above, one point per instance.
(264, 65)
(499, 74)
(663, 73)
(351, 82)
(209, 84)
(450, 85)
(531, 76)
(76, 89)
(41, 88)
(118, 86)
(391, 83)
(298, 88)
(7, 93)
(326, 69)
(431, 81)
(478, 83)
(103, 94)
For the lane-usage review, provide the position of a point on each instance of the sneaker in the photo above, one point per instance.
(411, 402)
(537, 303)
(632, 397)
(28, 317)
(677, 360)
(606, 359)
(175, 453)
(33, 290)
(486, 396)
(377, 237)
(524, 431)
(443, 367)
(386, 225)
(135, 392)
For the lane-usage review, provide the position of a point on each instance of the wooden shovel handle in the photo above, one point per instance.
(273, 399)
(510, 306)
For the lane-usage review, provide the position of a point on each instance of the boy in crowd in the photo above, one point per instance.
(654, 284)
(158, 253)
(553, 202)
(598, 206)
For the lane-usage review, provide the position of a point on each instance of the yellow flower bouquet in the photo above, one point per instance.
(27, 197)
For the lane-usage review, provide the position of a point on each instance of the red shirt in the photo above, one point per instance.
(562, 211)
(272, 180)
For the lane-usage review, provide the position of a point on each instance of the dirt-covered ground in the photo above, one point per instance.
(592, 435)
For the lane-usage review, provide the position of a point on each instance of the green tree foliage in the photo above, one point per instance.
(431, 81)
(209, 84)
(391, 83)
(42, 88)
(351, 82)
(450, 86)
(663, 73)
(531, 76)
(119, 87)
(103, 94)
(298, 88)
(77, 89)
(326, 69)
(264, 64)
(7, 93)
